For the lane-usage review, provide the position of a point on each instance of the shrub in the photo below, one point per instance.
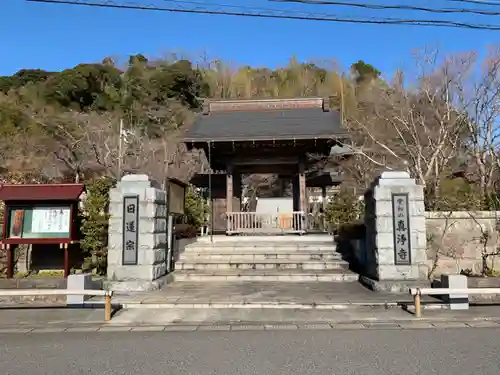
(345, 207)
(95, 221)
(196, 208)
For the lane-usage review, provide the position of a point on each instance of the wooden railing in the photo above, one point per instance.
(107, 294)
(316, 223)
(258, 223)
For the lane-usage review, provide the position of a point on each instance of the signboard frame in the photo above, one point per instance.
(404, 231)
(172, 213)
(171, 182)
(125, 239)
(22, 199)
(20, 220)
(73, 236)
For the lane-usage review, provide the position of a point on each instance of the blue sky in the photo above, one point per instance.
(55, 37)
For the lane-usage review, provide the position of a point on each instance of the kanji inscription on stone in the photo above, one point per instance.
(130, 229)
(402, 233)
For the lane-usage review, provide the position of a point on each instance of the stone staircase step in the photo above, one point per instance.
(289, 256)
(259, 265)
(228, 249)
(262, 243)
(268, 247)
(266, 275)
(260, 250)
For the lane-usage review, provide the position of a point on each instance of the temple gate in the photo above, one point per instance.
(272, 136)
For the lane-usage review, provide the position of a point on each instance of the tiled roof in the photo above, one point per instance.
(37, 192)
(265, 120)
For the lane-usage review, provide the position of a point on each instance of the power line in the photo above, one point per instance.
(231, 10)
(476, 2)
(397, 7)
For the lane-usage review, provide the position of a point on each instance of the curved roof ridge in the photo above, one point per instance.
(246, 105)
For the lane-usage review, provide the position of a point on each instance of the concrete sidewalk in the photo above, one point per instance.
(290, 316)
(248, 304)
(261, 295)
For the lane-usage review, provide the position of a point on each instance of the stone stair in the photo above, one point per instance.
(262, 260)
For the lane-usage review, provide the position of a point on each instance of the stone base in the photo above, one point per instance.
(393, 286)
(138, 272)
(138, 285)
(34, 283)
(456, 301)
(484, 282)
(392, 272)
(82, 281)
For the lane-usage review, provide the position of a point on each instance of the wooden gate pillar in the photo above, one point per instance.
(303, 203)
(229, 196)
(229, 192)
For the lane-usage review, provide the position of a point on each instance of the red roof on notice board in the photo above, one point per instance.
(38, 192)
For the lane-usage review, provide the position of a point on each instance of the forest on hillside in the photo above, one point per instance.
(438, 119)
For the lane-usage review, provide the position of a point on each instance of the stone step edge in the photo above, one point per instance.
(270, 272)
(267, 246)
(258, 260)
(263, 243)
(208, 278)
(276, 305)
(264, 261)
(259, 252)
(333, 247)
(263, 253)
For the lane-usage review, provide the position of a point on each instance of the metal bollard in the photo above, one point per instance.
(107, 307)
(418, 307)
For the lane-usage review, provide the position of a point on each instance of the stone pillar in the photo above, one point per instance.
(395, 225)
(137, 234)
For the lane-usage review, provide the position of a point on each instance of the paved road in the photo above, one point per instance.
(338, 352)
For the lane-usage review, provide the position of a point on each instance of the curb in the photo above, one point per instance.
(193, 327)
(276, 305)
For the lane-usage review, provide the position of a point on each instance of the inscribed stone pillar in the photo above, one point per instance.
(137, 233)
(395, 228)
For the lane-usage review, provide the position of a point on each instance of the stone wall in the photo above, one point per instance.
(401, 241)
(459, 238)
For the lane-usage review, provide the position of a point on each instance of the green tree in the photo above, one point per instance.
(343, 208)
(95, 221)
(363, 72)
(196, 208)
(23, 78)
(84, 87)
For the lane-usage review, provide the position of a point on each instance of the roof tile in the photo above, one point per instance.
(280, 124)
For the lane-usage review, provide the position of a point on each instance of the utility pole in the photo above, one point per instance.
(341, 78)
(210, 199)
(120, 141)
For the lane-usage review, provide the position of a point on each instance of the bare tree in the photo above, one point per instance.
(479, 100)
(415, 128)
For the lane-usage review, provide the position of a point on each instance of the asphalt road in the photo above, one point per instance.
(336, 352)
